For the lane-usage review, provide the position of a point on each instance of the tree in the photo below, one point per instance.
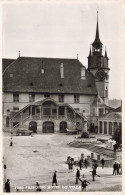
(117, 137)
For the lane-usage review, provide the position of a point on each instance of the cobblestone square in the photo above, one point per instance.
(35, 158)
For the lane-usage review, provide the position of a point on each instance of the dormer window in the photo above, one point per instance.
(61, 98)
(42, 70)
(15, 97)
(76, 98)
(11, 75)
(82, 73)
(31, 97)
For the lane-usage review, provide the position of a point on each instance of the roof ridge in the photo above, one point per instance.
(48, 58)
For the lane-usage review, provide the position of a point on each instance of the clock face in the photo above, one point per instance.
(100, 75)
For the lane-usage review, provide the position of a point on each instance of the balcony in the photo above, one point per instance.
(47, 117)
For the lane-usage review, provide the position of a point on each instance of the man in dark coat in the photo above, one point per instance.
(118, 167)
(80, 164)
(115, 169)
(85, 162)
(84, 184)
(95, 166)
(94, 173)
(54, 181)
(102, 162)
(77, 175)
(7, 186)
(38, 188)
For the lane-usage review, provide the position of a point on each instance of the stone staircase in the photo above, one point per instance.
(93, 148)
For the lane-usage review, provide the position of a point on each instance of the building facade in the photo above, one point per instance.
(108, 123)
(55, 93)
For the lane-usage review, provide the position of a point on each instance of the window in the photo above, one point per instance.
(100, 111)
(110, 128)
(93, 111)
(76, 98)
(38, 110)
(31, 97)
(16, 97)
(11, 75)
(61, 98)
(54, 111)
(15, 109)
(46, 95)
(61, 111)
(106, 92)
(46, 111)
(7, 121)
(105, 127)
(100, 126)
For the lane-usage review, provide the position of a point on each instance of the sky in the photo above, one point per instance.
(63, 30)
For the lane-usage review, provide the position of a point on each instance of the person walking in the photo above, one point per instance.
(38, 188)
(54, 181)
(115, 168)
(118, 167)
(80, 164)
(72, 163)
(86, 163)
(77, 175)
(94, 173)
(7, 186)
(95, 166)
(84, 184)
(102, 162)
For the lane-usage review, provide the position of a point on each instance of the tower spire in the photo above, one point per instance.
(97, 43)
(106, 53)
(90, 53)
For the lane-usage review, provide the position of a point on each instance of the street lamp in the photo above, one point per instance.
(11, 142)
(4, 166)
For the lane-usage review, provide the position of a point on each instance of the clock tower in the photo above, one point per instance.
(98, 66)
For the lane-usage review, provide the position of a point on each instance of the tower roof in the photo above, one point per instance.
(97, 43)
(90, 53)
(106, 54)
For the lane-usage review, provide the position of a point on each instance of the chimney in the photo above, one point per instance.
(61, 70)
(82, 73)
(42, 69)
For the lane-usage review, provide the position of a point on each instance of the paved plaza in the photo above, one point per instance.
(36, 158)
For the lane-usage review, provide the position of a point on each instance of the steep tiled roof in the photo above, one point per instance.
(119, 109)
(109, 108)
(6, 62)
(24, 75)
(112, 115)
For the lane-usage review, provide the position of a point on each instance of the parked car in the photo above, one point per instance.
(23, 131)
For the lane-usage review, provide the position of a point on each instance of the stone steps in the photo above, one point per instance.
(93, 148)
